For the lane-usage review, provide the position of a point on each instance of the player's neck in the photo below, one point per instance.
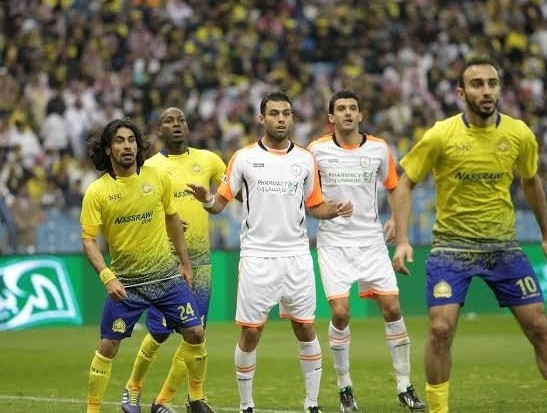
(273, 144)
(177, 149)
(349, 138)
(480, 122)
(121, 171)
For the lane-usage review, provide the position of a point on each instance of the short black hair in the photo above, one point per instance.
(343, 94)
(276, 97)
(475, 60)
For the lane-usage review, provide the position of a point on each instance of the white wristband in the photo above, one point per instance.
(210, 203)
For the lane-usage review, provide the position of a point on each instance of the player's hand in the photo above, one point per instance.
(344, 209)
(403, 253)
(201, 193)
(184, 224)
(389, 230)
(544, 246)
(116, 290)
(187, 274)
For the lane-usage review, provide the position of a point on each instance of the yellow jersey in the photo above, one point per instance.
(130, 212)
(473, 168)
(196, 166)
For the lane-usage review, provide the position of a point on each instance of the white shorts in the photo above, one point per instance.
(267, 281)
(369, 266)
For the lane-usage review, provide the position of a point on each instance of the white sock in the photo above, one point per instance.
(339, 341)
(399, 346)
(245, 370)
(310, 364)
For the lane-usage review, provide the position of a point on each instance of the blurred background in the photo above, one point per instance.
(69, 66)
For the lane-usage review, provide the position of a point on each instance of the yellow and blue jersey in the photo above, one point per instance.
(196, 166)
(473, 168)
(130, 212)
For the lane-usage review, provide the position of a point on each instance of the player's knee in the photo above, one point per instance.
(160, 338)
(193, 335)
(441, 330)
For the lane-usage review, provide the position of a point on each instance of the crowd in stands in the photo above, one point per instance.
(69, 66)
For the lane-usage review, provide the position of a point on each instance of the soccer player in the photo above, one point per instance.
(473, 157)
(277, 181)
(132, 206)
(183, 164)
(352, 165)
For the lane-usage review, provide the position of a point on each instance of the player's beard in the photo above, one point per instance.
(476, 109)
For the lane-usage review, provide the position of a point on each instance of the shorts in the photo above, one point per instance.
(171, 297)
(201, 290)
(266, 281)
(508, 273)
(370, 267)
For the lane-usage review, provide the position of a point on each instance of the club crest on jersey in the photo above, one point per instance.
(296, 170)
(442, 290)
(364, 161)
(503, 145)
(147, 188)
(118, 326)
(196, 168)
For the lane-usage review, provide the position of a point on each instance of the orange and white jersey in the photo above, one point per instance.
(275, 186)
(353, 173)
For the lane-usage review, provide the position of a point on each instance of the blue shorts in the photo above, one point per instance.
(201, 290)
(508, 273)
(171, 297)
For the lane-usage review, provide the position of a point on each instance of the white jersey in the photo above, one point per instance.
(275, 186)
(353, 173)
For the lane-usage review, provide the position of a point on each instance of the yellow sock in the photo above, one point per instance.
(437, 397)
(99, 375)
(175, 378)
(195, 356)
(144, 359)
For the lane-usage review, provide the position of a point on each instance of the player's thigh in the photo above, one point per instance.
(336, 270)
(155, 322)
(201, 289)
(258, 289)
(513, 280)
(376, 275)
(447, 278)
(119, 317)
(177, 305)
(299, 298)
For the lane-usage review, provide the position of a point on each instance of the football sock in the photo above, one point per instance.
(144, 359)
(99, 375)
(245, 364)
(437, 397)
(339, 342)
(310, 364)
(399, 346)
(191, 360)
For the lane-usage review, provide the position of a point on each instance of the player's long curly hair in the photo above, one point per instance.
(98, 143)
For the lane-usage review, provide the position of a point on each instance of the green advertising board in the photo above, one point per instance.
(56, 290)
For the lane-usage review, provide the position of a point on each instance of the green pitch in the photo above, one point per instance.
(45, 370)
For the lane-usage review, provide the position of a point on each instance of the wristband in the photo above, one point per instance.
(210, 203)
(107, 275)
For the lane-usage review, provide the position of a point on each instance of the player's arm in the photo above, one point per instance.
(389, 226)
(401, 206)
(330, 209)
(175, 231)
(535, 195)
(214, 204)
(114, 288)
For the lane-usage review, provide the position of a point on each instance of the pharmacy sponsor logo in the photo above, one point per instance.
(36, 291)
(272, 186)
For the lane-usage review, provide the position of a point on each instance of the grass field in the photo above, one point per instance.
(45, 370)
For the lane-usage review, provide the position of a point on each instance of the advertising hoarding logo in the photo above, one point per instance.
(36, 291)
